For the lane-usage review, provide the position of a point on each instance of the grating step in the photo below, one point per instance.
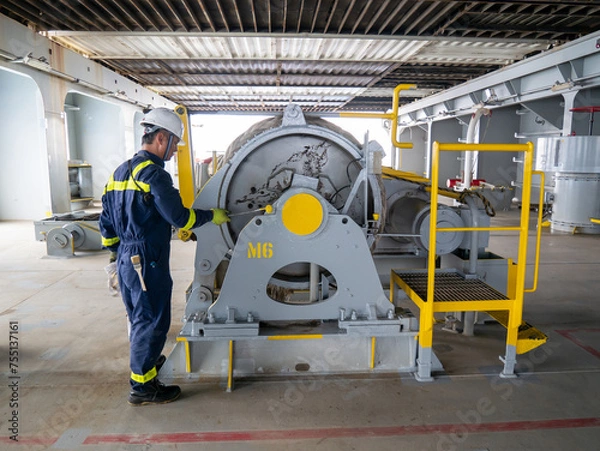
(528, 337)
(451, 288)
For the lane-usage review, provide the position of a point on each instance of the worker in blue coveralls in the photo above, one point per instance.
(139, 206)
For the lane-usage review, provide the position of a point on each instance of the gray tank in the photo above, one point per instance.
(573, 163)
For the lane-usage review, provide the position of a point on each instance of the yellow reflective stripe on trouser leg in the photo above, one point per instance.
(145, 378)
(107, 242)
(191, 221)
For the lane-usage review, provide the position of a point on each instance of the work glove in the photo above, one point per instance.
(219, 216)
(113, 278)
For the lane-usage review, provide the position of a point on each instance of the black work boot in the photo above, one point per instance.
(153, 392)
(160, 362)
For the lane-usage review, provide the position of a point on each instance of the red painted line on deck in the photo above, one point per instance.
(568, 334)
(307, 434)
(358, 432)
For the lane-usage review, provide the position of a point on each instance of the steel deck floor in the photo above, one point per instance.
(72, 374)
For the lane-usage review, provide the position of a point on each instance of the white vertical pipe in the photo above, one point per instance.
(394, 154)
(468, 170)
(314, 283)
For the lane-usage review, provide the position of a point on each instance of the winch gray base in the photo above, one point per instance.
(325, 350)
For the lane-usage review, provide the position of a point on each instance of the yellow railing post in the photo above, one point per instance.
(516, 313)
(538, 235)
(373, 348)
(230, 367)
(426, 319)
(185, 161)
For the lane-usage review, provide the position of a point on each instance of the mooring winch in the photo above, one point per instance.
(299, 273)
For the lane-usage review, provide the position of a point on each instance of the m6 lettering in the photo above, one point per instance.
(260, 250)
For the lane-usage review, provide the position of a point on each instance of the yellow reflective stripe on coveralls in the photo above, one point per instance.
(141, 166)
(129, 184)
(145, 378)
(107, 242)
(191, 221)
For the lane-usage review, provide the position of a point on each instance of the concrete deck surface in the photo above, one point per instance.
(72, 373)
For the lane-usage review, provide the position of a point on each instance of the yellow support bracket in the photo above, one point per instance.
(393, 116)
(404, 175)
(188, 359)
(296, 337)
(373, 349)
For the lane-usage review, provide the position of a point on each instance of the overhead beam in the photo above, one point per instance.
(70, 10)
(540, 72)
(163, 16)
(97, 13)
(111, 12)
(31, 16)
(207, 15)
(130, 14)
(223, 18)
(191, 13)
(361, 16)
(178, 16)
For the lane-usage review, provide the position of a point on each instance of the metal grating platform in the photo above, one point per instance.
(451, 287)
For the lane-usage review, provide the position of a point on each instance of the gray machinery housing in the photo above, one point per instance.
(66, 233)
(313, 265)
(572, 164)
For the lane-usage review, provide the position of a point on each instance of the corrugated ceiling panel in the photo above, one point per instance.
(264, 79)
(267, 66)
(334, 67)
(476, 52)
(222, 66)
(388, 92)
(229, 79)
(298, 48)
(256, 90)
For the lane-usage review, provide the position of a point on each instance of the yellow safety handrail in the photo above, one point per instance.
(393, 116)
(425, 334)
(538, 236)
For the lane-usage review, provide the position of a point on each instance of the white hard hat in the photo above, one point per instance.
(163, 118)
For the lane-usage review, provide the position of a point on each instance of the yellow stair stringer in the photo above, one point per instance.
(528, 337)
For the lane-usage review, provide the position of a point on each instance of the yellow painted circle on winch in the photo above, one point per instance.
(302, 214)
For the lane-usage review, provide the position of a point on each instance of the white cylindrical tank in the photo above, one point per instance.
(574, 164)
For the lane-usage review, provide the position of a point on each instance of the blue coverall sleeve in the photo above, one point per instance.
(168, 201)
(110, 240)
